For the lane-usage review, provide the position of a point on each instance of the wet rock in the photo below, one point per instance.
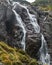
(33, 41)
(50, 13)
(12, 33)
(3, 32)
(15, 33)
(46, 29)
(9, 27)
(45, 22)
(33, 44)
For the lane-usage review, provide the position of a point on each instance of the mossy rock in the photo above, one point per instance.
(14, 56)
(33, 62)
(21, 51)
(17, 63)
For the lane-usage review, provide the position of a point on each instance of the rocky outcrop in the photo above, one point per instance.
(33, 41)
(8, 27)
(46, 28)
(45, 22)
(3, 32)
(12, 33)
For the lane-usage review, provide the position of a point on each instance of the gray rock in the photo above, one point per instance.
(12, 34)
(50, 13)
(33, 41)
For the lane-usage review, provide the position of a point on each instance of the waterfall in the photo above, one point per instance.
(43, 51)
(44, 56)
(33, 21)
(32, 18)
(21, 24)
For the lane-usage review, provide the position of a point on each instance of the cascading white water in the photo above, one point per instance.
(32, 18)
(44, 56)
(19, 20)
(34, 23)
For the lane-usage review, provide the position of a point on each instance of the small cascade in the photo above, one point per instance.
(44, 56)
(32, 18)
(19, 20)
(34, 23)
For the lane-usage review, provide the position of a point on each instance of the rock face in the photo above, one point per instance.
(45, 22)
(12, 33)
(33, 41)
(8, 27)
(46, 28)
(3, 32)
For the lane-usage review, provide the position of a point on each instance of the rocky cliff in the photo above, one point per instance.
(8, 28)
(45, 22)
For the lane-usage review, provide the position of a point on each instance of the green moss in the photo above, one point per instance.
(7, 63)
(24, 58)
(17, 63)
(13, 56)
(33, 62)
(21, 51)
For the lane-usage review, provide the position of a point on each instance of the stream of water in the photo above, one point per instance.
(44, 56)
(19, 20)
